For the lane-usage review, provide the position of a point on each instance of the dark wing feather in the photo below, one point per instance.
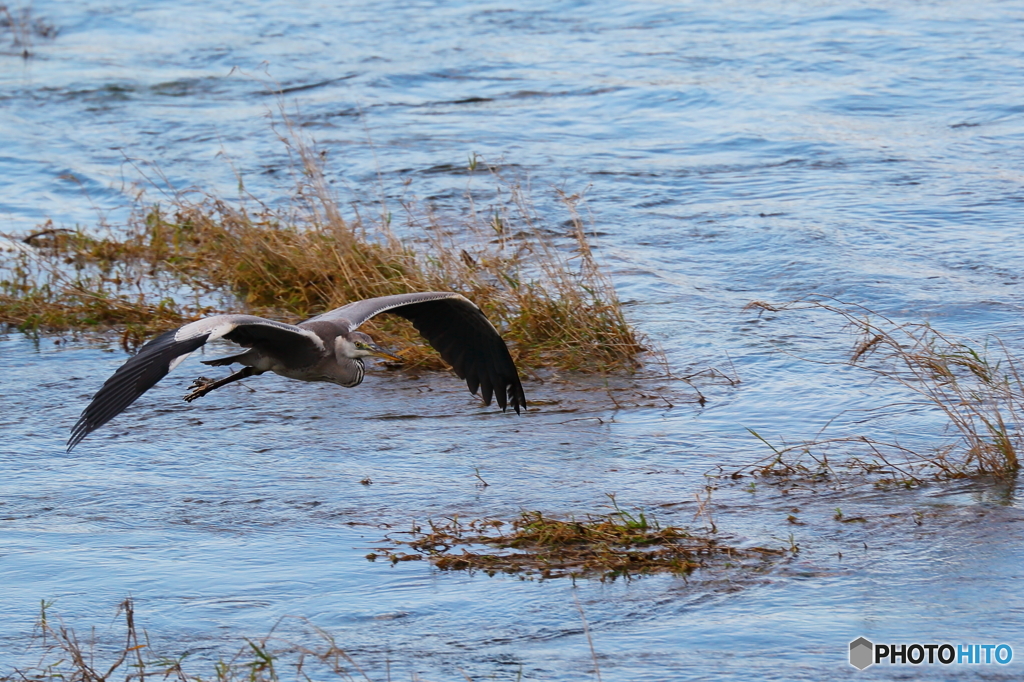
(291, 345)
(458, 330)
(360, 311)
(282, 343)
(470, 344)
(131, 380)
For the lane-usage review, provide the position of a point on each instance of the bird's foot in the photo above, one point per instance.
(202, 386)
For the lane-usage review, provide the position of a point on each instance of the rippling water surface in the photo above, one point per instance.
(728, 152)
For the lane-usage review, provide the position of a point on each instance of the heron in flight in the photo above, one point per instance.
(324, 348)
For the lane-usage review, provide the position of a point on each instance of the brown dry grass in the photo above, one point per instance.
(59, 280)
(978, 389)
(548, 296)
(535, 545)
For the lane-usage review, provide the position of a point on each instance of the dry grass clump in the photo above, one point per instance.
(978, 390)
(808, 462)
(548, 297)
(534, 545)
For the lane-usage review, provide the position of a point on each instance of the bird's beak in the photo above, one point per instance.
(386, 354)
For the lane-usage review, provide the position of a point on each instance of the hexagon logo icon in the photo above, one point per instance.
(861, 653)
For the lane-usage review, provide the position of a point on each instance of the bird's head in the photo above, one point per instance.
(359, 345)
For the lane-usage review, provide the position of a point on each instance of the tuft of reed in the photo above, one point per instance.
(977, 388)
(547, 295)
(534, 545)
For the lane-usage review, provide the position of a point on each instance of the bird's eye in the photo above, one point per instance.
(362, 346)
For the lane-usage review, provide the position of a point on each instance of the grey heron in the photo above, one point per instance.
(323, 348)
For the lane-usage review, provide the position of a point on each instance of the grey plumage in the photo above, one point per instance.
(324, 348)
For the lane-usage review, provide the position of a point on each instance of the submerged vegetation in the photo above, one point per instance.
(62, 654)
(978, 389)
(535, 545)
(199, 254)
(307, 652)
(23, 27)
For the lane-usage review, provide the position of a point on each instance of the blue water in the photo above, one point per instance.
(727, 151)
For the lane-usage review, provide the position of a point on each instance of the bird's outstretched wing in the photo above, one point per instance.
(158, 357)
(459, 331)
(360, 311)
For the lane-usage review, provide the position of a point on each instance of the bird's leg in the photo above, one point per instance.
(202, 385)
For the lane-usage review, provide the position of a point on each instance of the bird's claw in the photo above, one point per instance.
(202, 386)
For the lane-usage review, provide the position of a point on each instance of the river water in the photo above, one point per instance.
(728, 152)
